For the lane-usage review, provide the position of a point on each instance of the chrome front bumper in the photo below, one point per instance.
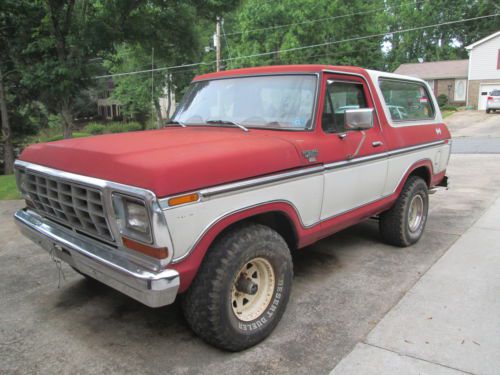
(99, 261)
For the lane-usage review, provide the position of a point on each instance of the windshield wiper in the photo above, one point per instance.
(227, 122)
(176, 122)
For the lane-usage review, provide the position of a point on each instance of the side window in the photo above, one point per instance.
(406, 101)
(339, 97)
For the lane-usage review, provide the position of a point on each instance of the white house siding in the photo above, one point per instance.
(484, 72)
(484, 59)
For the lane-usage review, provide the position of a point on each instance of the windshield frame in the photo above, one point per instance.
(314, 111)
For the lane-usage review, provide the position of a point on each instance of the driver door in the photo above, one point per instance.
(355, 159)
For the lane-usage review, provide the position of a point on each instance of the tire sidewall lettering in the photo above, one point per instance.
(270, 312)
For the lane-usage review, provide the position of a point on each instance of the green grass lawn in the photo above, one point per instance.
(8, 188)
(447, 113)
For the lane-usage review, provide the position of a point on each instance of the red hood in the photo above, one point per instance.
(170, 161)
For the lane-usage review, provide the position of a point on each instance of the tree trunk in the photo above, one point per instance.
(158, 112)
(8, 148)
(169, 97)
(67, 120)
(61, 23)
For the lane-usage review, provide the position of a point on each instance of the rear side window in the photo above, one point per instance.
(406, 101)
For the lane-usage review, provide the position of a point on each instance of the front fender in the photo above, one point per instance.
(188, 266)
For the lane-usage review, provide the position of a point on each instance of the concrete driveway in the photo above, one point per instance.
(343, 287)
(474, 124)
(475, 132)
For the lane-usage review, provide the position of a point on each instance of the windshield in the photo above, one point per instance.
(276, 102)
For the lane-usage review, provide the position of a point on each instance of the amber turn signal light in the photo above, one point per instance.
(155, 252)
(182, 199)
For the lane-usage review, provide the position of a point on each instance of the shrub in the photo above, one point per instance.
(442, 100)
(449, 108)
(60, 136)
(118, 127)
(94, 128)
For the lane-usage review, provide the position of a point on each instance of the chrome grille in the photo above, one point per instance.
(77, 206)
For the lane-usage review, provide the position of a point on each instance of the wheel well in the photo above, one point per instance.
(422, 172)
(278, 221)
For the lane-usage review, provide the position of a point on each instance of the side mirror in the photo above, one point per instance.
(359, 119)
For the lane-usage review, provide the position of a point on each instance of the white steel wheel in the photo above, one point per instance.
(253, 262)
(416, 213)
(404, 223)
(253, 289)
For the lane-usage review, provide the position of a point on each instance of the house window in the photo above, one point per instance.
(459, 95)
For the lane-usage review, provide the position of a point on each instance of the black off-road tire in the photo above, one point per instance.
(488, 110)
(207, 304)
(394, 223)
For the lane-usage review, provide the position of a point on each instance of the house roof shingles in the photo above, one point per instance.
(436, 70)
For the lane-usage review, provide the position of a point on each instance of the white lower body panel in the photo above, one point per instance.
(315, 197)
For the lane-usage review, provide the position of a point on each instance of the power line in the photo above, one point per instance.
(345, 53)
(155, 70)
(373, 49)
(301, 47)
(321, 19)
(376, 49)
(364, 37)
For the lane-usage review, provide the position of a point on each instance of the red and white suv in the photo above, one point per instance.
(255, 162)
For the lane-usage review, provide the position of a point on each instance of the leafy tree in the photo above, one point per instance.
(65, 38)
(303, 29)
(171, 31)
(48, 47)
(444, 42)
(337, 20)
(20, 113)
(66, 35)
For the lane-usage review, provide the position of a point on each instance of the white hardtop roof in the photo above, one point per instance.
(376, 74)
(481, 41)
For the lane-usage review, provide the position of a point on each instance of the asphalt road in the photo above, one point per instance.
(343, 286)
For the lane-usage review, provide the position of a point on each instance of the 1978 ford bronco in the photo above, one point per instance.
(254, 163)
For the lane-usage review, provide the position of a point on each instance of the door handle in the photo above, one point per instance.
(377, 143)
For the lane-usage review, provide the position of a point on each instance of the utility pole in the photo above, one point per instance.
(217, 42)
(153, 85)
